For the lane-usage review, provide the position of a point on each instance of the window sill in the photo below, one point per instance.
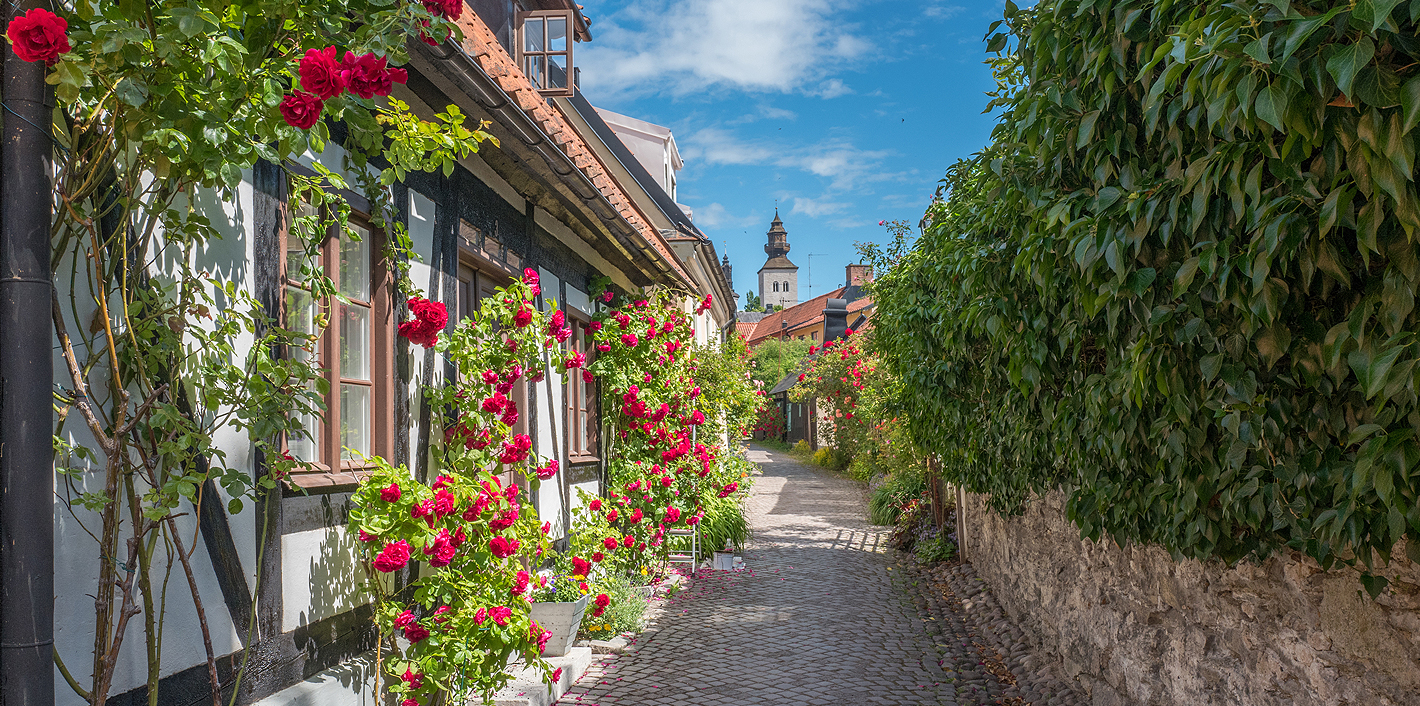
(326, 482)
(582, 459)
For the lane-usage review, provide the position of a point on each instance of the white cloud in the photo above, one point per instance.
(717, 216)
(943, 12)
(814, 208)
(842, 163)
(685, 46)
(831, 88)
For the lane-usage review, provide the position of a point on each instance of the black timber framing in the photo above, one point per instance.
(269, 206)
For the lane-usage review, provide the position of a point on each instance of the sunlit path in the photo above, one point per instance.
(819, 616)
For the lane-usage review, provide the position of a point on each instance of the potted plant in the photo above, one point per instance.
(559, 603)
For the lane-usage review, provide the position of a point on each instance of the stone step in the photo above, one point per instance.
(528, 689)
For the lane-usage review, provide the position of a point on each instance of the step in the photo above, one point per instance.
(528, 689)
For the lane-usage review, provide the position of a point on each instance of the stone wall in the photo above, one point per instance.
(1135, 627)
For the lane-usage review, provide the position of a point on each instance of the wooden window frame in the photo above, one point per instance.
(522, 55)
(382, 383)
(580, 402)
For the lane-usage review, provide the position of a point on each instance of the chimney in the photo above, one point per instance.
(858, 275)
(835, 319)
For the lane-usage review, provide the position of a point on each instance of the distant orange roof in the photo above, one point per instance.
(798, 316)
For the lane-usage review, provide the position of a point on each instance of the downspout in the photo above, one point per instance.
(26, 382)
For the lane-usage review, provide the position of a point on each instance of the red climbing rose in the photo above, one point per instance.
(394, 556)
(301, 109)
(367, 76)
(429, 319)
(320, 73)
(38, 35)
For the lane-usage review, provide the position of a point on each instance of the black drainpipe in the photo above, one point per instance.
(26, 381)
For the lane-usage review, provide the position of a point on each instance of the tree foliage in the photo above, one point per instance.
(1181, 280)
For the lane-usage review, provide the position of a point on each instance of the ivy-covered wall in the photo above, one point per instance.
(1180, 284)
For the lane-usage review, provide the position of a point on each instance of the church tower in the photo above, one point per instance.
(779, 278)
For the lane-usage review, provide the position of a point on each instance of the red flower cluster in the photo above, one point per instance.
(447, 9)
(515, 450)
(38, 35)
(429, 319)
(393, 557)
(322, 78)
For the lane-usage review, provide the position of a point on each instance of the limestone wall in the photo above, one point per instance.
(1136, 627)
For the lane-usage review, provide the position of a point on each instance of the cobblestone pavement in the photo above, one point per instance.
(825, 614)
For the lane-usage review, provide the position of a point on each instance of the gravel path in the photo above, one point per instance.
(824, 614)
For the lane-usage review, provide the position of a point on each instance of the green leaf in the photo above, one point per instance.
(234, 506)
(1272, 105)
(1257, 49)
(1087, 129)
(1140, 280)
(1345, 63)
(1210, 365)
(1374, 584)
(132, 91)
(1185, 275)
(1302, 29)
(1376, 11)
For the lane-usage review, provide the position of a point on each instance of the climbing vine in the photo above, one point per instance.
(1180, 281)
(164, 110)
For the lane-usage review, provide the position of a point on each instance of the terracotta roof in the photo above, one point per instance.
(482, 45)
(744, 328)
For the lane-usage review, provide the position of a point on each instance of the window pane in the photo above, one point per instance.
(532, 35)
(295, 246)
(556, 71)
(557, 34)
(304, 449)
(534, 70)
(354, 421)
(354, 342)
(300, 317)
(355, 265)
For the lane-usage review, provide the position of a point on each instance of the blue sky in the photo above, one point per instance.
(846, 112)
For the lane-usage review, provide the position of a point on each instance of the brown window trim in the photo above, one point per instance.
(578, 404)
(321, 476)
(522, 18)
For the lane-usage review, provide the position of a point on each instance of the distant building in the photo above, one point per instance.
(779, 278)
(806, 321)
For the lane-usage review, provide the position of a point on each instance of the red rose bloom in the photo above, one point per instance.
(390, 494)
(595, 505)
(503, 547)
(630, 340)
(320, 73)
(394, 556)
(429, 319)
(628, 541)
(447, 9)
(367, 76)
(38, 35)
(610, 543)
(587, 376)
(580, 566)
(548, 471)
(523, 317)
(597, 557)
(415, 633)
(301, 109)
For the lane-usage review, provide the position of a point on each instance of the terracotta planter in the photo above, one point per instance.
(563, 620)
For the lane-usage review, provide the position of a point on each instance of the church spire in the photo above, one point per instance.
(778, 245)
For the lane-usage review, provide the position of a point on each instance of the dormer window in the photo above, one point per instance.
(545, 50)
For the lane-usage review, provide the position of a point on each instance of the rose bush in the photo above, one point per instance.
(470, 608)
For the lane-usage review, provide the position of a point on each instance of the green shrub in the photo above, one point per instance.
(628, 607)
(802, 447)
(830, 458)
(1180, 282)
(934, 549)
(724, 520)
(886, 502)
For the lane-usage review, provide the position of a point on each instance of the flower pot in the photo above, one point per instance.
(724, 561)
(562, 619)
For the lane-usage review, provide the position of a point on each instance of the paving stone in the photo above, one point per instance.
(823, 614)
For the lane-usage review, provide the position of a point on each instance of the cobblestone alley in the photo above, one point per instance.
(824, 613)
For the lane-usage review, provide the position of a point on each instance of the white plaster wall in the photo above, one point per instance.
(326, 559)
(770, 297)
(76, 550)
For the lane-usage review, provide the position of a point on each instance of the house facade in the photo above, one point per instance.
(281, 583)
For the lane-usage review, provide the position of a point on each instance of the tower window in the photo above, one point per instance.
(776, 286)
